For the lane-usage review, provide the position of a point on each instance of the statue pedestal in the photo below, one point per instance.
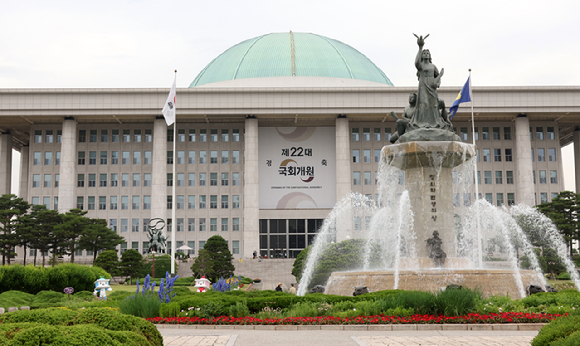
(428, 169)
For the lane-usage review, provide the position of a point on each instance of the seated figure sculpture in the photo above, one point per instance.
(436, 253)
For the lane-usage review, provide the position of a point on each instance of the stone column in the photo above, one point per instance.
(576, 158)
(24, 162)
(68, 166)
(524, 180)
(251, 227)
(5, 162)
(343, 175)
(159, 170)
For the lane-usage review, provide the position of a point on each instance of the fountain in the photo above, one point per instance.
(420, 236)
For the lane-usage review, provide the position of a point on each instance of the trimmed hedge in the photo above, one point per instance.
(32, 279)
(61, 326)
(560, 332)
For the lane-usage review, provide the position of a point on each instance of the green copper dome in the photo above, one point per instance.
(290, 54)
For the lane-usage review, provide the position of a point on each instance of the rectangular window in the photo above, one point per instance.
(124, 202)
(355, 134)
(103, 156)
(356, 156)
(235, 224)
(225, 179)
(539, 133)
(235, 179)
(56, 180)
(48, 158)
(485, 133)
(114, 178)
(236, 156)
(235, 247)
(356, 178)
(181, 135)
(170, 157)
(81, 158)
(202, 179)
(541, 154)
(225, 201)
(388, 134)
(147, 158)
(367, 177)
(93, 136)
(57, 158)
(213, 156)
(146, 202)
(169, 203)
(533, 157)
(47, 180)
(169, 179)
(103, 180)
(179, 228)
(225, 135)
(509, 177)
(487, 177)
(148, 135)
(114, 157)
(225, 224)
(202, 135)
(236, 202)
(180, 157)
(497, 155)
(191, 135)
(213, 204)
(102, 202)
(213, 180)
(59, 136)
(82, 136)
(377, 155)
(499, 199)
(507, 133)
(136, 157)
(125, 155)
(553, 177)
(235, 135)
(542, 176)
(125, 179)
(104, 136)
(92, 157)
(115, 136)
(508, 155)
(489, 198)
(113, 203)
(38, 155)
(134, 225)
(367, 156)
(551, 154)
(202, 156)
(377, 134)
(113, 224)
(213, 224)
(498, 177)
(49, 136)
(180, 179)
(191, 202)
(463, 133)
(38, 136)
(92, 180)
(202, 202)
(366, 134)
(496, 134)
(201, 229)
(126, 136)
(80, 202)
(191, 157)
(476, 133)
(91, 203)
(511, 200)
(180, 203)
(550, 133)
(147, 179)
(190, 227)
(486, 155)
(136, 179)
(213, 135)
(225, 156)
(543, 197)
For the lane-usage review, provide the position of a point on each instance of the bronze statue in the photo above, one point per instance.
(406, 117)
(156, 237)
(435, 252)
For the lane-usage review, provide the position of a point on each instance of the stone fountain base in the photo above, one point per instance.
(489, 281)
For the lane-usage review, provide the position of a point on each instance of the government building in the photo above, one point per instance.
(270, 135)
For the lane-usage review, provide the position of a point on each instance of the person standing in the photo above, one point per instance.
(279, 287)
(292, 289)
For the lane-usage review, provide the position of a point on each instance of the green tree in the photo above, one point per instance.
(96, 236)
(131, 263)
(220, 257)
(12, 208)
(37, 228)
(67, 234)
(203, 265)
(109, 261)
(563, 210)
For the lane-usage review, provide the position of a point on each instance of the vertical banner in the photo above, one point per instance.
(297, 167)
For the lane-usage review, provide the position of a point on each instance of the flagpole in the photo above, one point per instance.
(173, 200)
(477, 226)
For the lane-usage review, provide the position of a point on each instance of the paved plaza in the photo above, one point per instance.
(231, 337)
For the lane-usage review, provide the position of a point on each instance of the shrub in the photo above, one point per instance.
(141, 306)
(15, 298)
(169, 309)
(215, 261)
(572, 340)
(456, 302)
(563, 276)
(109, 261)
(558, 329)
(239, 310)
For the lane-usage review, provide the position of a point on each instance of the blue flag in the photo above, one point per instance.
(464, 96)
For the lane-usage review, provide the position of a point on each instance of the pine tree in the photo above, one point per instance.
(221, 258)
(131, 263)
(12, 208)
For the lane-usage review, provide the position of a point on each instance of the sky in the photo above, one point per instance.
(138, 44)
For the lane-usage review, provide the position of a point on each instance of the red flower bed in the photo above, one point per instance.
(504, 317)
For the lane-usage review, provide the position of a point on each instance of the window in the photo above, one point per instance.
(496, 134)
(213, 224)
(103, 180)
(485, 133)
(114, 178)
(508, 155)
(48, 158)
(225, 179)
(180, 157)
(235, 135)
(543, 197)
(377, 134)
(355, 134)
(92, 180)
(551, 154)
(180, 203)
(213, 179)
(534, 176)
(367, 156)
(81, 158)
(511, 200)
(549, 133)
(80, 202)
(148, 135)
(136, 179)
(497, 155)
(114, 157)
(225, 224)
(533, 157)
(115, 136)
(190, 227)
(476, 133)
(202, 156)
(487, 177)
(213, 204)
(225, 135)
(356, 178)
(82, 136)
(146, 202)
(213, 135)
(366, 134)
(126, 136)
(179, 229)
(539, 133)
(367, 177)
(235, 224)
(553, 177)
(47, 180)
(136, 157)
(541, 154)
(191, 157)
(467, 199)
(377, 155)
(202, 179)
(56, 180)
(203, 135)
(93, 136)
(169, 203)
(201, 229)
(507, 133)
(91, 203)
(125, 179)
(147, 179)
(498, 177)
(169, 179)
(113, 203)
(225, 156)
(542, 176)
(479, 177)
(235, 247)
(59, 136)
(37, 136)
(102, 202)
(180, 179)
(37, 157)
(134, 225)
(147, 158)
(57, 158)
(225, 201)
(509, 177)
(401, 178)
(388, 134)
(181, 135)
(104, 136)
(235, 156)
(80, 180)
(125, 157)
(202, 201)
(124, 202)
(113, 224)
(191, 134)
(213, 156)
(92, 157)
(124, 225)
(46, 202)
(356, 156)
(170, 157)
(489, 198)
(191, 202)
(235, 179)
(463, 133)
(236, 202)
(499, 199)
(357, 223)
(103, 157)
(486, 155)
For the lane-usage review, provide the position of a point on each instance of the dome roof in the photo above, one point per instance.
(290, 54)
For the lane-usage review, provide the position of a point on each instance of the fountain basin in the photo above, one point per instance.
(489, 281)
